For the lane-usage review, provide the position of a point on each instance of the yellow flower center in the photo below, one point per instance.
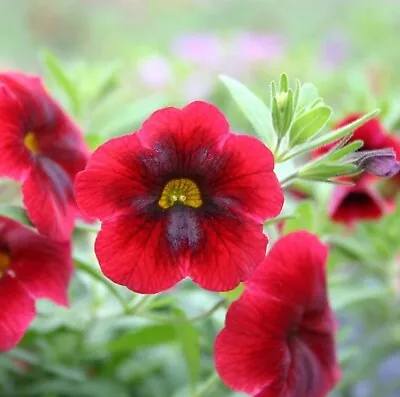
(4, 262)
(30, 142)
(180, 191)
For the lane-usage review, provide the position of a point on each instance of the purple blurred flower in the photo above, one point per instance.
(155, 71)
(201, 48)
(335, 51)
(258, 47)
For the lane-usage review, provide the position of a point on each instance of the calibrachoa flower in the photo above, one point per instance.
(31, 267)
(372, 133)
(42, 148)
(278, 338)
(378, 154)
(355, 203)
(181, 197)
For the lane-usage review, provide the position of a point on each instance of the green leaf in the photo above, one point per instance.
(56, 70)
(255, 110)
(329, 137)
(323, 171)
(15, 212)
(336, 155)
(122, 120)
(284, 83)
(309, 124)
(288, 114)
(189, 338)
(344, 296)
(304, 218)
(233, 294)
(308, 93)
(146, 336)
(88, 269)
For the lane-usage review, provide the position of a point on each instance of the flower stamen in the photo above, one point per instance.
(180, 191)
(4, 262)
(31, 143)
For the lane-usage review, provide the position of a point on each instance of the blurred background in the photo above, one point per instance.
(126, 58)
(180, 46)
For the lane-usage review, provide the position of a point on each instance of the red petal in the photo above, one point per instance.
(197, 124)
(132, 251)
(354, 203)
(232, 248)
(248, 179)
(251, 352)
(294, 271)
(43, 266)
(66, 146)
(372, 132)
(15, 157)
(113, 178)
(48, 197)
(248, 363)
(17, 312)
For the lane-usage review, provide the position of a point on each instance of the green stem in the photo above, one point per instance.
(193, 319)
(81, 265)
(141, 304)
(208, 385)
(289, 179)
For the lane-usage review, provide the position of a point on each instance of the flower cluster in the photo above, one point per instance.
(42, 149)
(370, 197)
(183, 196)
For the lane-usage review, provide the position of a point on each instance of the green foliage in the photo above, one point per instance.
(253, 108)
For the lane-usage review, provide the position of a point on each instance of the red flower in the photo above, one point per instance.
(42, 148)
(372, 133)
(31, 267)
(354, 203)
(181, 197)
(278, 338)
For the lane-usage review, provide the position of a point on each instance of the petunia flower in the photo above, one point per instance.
(278, 338)
(362, 201)
(42, 148)
(372, 133)
(181, 197)
(31, 267)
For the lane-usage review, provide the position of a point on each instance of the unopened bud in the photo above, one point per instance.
(380, 162)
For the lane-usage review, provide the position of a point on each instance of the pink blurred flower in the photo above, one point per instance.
(259, 47)
(201, 48)
(155, 71)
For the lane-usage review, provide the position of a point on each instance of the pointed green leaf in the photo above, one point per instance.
(307, 95)
(336, 155)
(189, 338)
(253, 108)
(56, 70)
(326, 171)
(329, 137)
(304, 218)
(14, 212)
(288, 113)
(146, 336)
(309, 124)
(284, 83)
